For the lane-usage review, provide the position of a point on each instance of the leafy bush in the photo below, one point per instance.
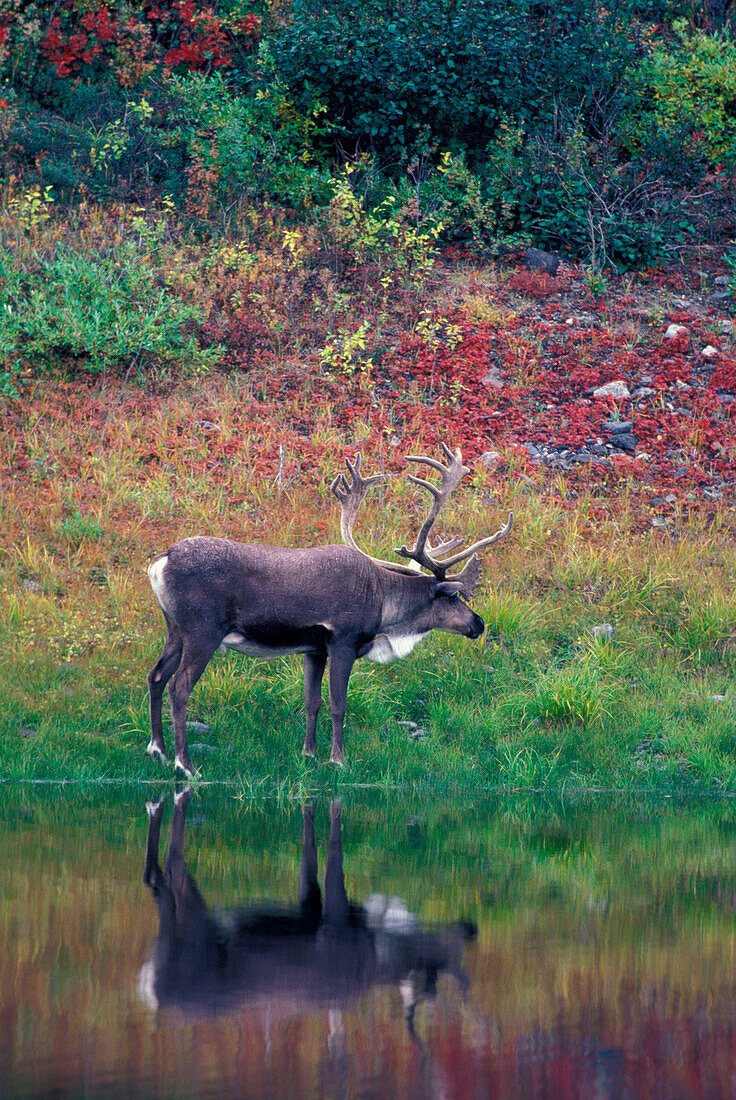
(252, 146)
(95, 314)
(119, 43)
(683, 105)
(425, 74)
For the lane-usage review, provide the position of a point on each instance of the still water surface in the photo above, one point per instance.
(382, 947)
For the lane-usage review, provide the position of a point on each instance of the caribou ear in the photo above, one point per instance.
(450, 588)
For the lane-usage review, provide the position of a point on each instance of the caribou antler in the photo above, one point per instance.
(351, 495)
(423, 553)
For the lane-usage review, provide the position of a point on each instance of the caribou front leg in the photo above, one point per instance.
(342, 659)
(314, 668)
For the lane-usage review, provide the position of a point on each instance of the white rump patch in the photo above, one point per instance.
(392, 647)
(156, 577)
(146, 990)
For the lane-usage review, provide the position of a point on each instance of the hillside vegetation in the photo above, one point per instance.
(238, 244)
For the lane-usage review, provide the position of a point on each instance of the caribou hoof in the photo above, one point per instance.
(152, 808)
(338, 761)
(189, 772)
(157, 753)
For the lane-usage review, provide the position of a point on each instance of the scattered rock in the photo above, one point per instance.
(490, 458)
(712, 493)
(719, 297)
(617, 427)
(718, 698)
(30, 586)
(603, 632)
(199, 747)
(721, 280)
(709, 352)
(682, 385)
(195, 726)
(725, 328)
(414, 732)
(674, 331)
(659, 521)
(618, 390)
(493, 378)
(27, 731)
(643, 391)
(625, 441)
(537, 260)
(207, 425)
(532, 449)
(681, 303)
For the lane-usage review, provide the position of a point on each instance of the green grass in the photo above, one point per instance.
(537, 704)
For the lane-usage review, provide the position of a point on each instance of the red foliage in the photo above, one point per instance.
(185, 34)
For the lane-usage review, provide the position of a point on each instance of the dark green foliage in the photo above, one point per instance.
(441, 73)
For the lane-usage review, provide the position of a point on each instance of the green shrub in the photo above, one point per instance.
(250, 146)
(418, 76)
(569, 192)
(683, 102)
(98, 313)
(77, 529)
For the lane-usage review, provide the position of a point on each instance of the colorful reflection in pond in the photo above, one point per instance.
(377, 947)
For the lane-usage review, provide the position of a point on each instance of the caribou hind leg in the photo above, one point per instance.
(196, 655)
(158, 678)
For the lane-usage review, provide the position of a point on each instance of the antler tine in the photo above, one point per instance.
(451, 477)
(445, 547)
(431, 557)
(447, 563)
(351, 496)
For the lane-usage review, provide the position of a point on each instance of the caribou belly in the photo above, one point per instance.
(241, 644)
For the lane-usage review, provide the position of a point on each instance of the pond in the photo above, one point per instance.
(202, 945)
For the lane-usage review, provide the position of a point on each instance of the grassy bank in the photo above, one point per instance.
(540, 702)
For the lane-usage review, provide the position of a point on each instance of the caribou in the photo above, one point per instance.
(283, 960)
(333, 602)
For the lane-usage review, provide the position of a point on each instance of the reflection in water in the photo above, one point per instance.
(323, 952)
(604, 963)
